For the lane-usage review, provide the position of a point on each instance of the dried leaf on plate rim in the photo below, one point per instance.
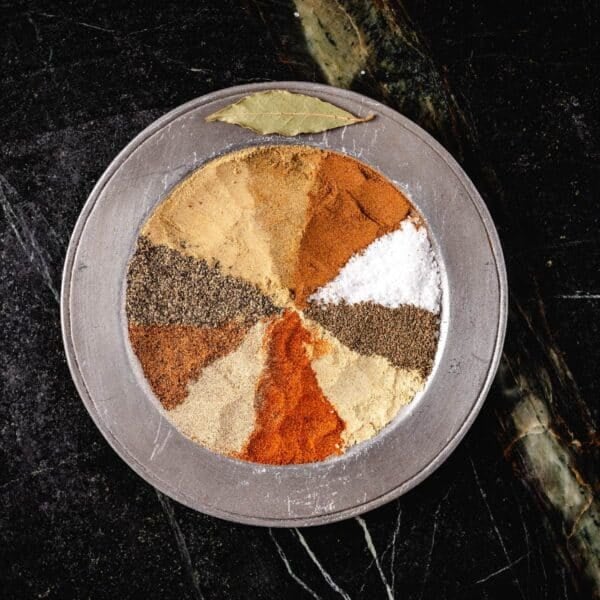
(285, 113)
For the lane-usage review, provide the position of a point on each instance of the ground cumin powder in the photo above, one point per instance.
(173, 355)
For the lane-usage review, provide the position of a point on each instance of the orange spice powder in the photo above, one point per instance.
(295, 421)
(350, 206)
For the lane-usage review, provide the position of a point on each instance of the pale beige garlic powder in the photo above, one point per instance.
(366, 391)
(218, 411)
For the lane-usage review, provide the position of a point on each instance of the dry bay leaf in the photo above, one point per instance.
(285, 113)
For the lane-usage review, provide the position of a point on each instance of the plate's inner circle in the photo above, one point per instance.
(283, 303)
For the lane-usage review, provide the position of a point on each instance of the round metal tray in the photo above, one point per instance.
(406, 451)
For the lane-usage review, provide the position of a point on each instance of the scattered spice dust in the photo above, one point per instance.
(295, 421)
(173, 355)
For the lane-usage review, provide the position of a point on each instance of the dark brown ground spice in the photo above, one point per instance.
(173, 355)
(166, 287)
(407, 336)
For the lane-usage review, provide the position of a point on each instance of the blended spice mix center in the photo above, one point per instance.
(283, 302)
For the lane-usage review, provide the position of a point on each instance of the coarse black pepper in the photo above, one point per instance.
(164, 287)
(407, 336)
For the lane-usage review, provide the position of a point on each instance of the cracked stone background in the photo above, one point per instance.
(77, 82)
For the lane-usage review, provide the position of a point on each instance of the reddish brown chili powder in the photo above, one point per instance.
(173, 355)
(295, 421)
(350, 206)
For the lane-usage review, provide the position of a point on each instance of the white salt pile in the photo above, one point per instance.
(397, 268)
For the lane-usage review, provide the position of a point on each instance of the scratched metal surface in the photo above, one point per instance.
(370, 474)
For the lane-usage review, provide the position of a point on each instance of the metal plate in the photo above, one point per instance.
(370, 474)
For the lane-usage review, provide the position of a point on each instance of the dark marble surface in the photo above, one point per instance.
(512, 89)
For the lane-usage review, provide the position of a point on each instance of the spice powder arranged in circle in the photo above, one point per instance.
(283, 302)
